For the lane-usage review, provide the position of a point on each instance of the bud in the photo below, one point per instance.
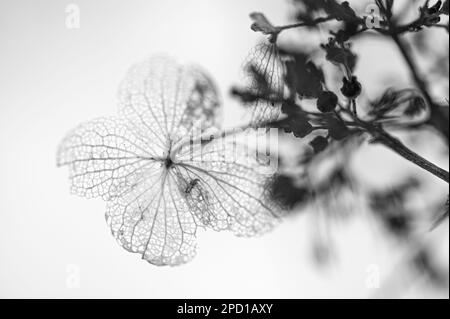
(319, 144)
(327, 102)
(351, 88)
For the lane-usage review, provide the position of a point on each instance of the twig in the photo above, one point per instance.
(437, 118)
(416, 25)
(383, 137)
(305, 24)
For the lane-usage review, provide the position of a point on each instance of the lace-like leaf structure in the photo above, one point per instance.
(159, 190)
(264, 76)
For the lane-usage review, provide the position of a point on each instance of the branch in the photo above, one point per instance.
(437, 118)
(383, 137)
(418, 24)
(379, 135)
(305, 24)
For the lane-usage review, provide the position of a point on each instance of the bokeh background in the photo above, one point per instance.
(55, 245)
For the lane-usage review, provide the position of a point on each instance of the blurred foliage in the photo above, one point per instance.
(335, 123)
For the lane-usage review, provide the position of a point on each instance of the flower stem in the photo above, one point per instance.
(384, 138)
(437, 119)
(305, 24)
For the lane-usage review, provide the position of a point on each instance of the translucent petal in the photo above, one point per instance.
(106, 157)
(164, 99)
(230, 190)
(265, 61)
(155, 221)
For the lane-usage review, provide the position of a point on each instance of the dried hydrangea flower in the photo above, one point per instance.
(158, 188)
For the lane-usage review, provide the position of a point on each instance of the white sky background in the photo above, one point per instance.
(53, 78)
